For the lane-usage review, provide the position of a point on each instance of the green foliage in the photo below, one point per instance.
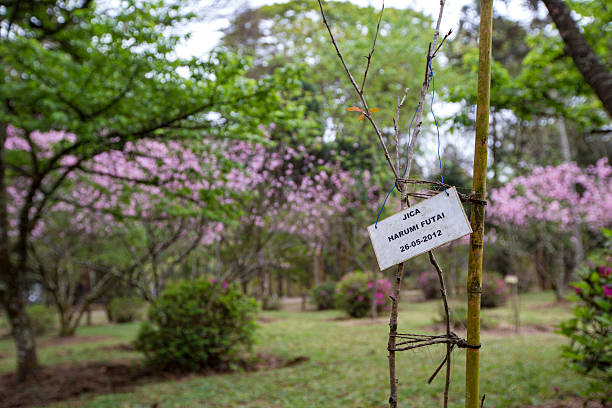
(494, 291)
(196, 325)
(125, 309)
(354, 293)
(590, 329)
(43, 319)
(323, 295)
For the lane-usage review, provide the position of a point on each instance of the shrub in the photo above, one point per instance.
(125, 309)
(590, 348)
(323, 295)
(354, 293)
(494, 291)
(42, 318)
(196, 325)
(429, 284)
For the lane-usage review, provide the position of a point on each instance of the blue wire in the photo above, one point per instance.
(433, 93)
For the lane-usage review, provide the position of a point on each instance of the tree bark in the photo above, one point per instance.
(13, 289)
(317, 265)
(577, 224)
(586, 60)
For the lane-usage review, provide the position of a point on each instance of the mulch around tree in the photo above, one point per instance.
(65, 381)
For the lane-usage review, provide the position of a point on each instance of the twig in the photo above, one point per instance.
(369, 57)
(366, 110)
(482, 400)
(449, 347)
(439, 367)
(441, 42)
(424, 90)
(400, 103)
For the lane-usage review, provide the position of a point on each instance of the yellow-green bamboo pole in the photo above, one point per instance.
(474, 281)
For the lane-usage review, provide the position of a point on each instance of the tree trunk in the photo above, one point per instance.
(540, 269)
(316, 265)
(12, 293)
(586, 60)
(577, 224)
(67, 329)
(23, 336)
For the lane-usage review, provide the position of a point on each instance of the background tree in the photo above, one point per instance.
(102, 79)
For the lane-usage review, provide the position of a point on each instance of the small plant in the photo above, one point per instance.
(429, 284)
(590, 330)
(354, 293)
(197, 325)
(494, 291)
(323, 295)
(125, 309)
(42, 318)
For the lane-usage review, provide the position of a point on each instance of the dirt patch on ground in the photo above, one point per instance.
(65, 341)
(61, 382)
(573, 402)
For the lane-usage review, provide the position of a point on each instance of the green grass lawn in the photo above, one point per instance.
(347, 364)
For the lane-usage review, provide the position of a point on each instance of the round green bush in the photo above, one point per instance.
(125, 309)
(494, 291)
(42, 318)
(354, 293)
(323, 295)
(197, 325)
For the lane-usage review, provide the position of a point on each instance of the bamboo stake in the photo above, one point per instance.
(474, 281)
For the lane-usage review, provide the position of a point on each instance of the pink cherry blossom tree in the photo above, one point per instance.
(540, 211)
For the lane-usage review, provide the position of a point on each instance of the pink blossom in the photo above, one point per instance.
(607, 291)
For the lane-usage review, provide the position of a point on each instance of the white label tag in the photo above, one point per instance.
(418, 229)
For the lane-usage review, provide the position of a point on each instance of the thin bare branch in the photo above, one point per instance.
(449, 347)
(424, 91)
(366, 109)
(369, 57)
(441, 42)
